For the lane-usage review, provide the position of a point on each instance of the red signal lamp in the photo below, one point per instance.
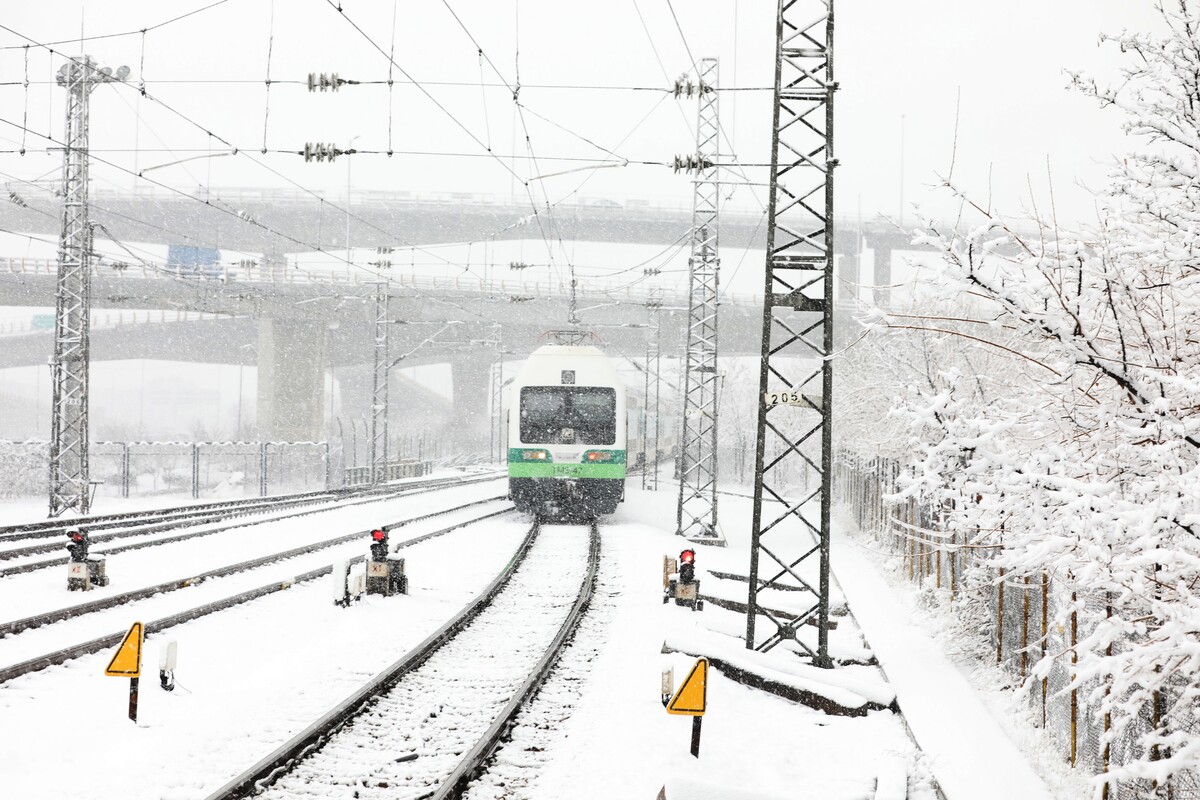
(378, 535)
(687, 556)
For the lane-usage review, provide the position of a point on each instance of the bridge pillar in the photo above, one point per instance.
(847, 271)
(291, 380)
(883, 274)
(471, 379)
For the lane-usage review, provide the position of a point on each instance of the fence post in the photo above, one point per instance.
(1000, 620)
(1045, 633)
(124, 469)
(328, 468)
(1025, 628)
(1074, 691)
(195, 470)
(262, 469)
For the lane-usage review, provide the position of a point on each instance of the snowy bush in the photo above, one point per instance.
(23, 470)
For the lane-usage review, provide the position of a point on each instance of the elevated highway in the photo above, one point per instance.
(295, 323)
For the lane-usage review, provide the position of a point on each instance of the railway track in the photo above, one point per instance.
(267, 514)
(218, 510)
(65, 654)
(425, 726)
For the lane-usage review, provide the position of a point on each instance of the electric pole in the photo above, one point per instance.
(652, 392)
(697, 510)
(379, 394)
(790, 538)
(69, 480)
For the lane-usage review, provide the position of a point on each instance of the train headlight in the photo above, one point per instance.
(535, 455)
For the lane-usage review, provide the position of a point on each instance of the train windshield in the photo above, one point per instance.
(568, 415)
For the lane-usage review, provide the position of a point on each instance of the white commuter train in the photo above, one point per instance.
(568, 432)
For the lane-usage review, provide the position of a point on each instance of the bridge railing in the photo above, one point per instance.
(105, 319)
(516, 290)
(591, 292)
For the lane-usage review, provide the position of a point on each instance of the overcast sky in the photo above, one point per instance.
(903, 68)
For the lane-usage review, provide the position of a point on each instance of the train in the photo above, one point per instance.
(569, 427)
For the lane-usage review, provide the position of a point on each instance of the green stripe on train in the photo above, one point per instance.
(543, 470)
(516, 455)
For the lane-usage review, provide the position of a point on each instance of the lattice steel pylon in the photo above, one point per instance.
(696, 516)
(379, 389)
(651, 413)
(796, 375)
(69, 479)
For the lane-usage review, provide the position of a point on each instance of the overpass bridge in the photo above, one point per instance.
(295, 322)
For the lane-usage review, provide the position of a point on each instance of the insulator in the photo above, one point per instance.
(517, 265)
(692, 163)
(17, 200)
(320, 152)
(651, 271)
(245, 215)
(519, 298)
(683, 87)
(330, 82)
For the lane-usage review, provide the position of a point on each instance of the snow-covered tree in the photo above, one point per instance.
(1082, 432)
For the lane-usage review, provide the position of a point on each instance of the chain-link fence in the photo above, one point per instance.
(1020, 619)
(195, 469)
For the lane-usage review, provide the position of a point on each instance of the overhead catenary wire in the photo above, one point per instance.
(515, 89)
(81, 39)
(527, 87)
(532, 155)
(267, 100)
(462, 126)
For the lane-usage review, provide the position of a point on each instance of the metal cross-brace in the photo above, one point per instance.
(379, 392)
(651, 413)
(796, 375)
(696, 516)
(69, 481)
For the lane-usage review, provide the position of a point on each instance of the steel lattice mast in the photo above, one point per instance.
(791, 536)
(379, 391)
(653, 388)
(696, 516)
(69, 480)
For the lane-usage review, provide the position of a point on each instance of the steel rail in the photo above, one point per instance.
(196, 514)
(55, 527)
(104, 642)
(396, 492)
(48, 528)
(314, 736)
(475, 759)
(70, 612)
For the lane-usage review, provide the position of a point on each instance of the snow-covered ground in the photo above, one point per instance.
(252, 676)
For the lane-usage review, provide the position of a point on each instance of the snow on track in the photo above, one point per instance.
(414, 736)
(529, 746)
(250, 678)
(45, 590)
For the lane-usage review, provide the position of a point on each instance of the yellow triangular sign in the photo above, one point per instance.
(127, 661)
(693, 693)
